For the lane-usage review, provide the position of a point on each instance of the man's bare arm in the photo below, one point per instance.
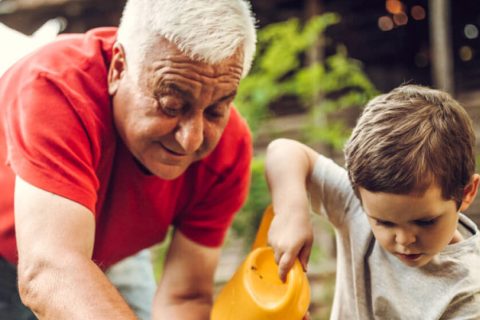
(186, 287)
(57, 278)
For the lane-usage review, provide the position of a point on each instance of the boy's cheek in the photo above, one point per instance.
(382, 237)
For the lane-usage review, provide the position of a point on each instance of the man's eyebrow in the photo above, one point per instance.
(229, 96)
(175, 89)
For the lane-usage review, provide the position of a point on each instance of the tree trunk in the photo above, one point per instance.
(441, 45)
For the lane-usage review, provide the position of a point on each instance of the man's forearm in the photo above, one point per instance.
(185, 309)
(71, 287)
(186, 289)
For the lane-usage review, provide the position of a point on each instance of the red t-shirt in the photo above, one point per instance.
(57, 133)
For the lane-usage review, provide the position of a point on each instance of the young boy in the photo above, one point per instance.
(404, 249)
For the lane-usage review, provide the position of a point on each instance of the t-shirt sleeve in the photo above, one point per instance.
(207, 222)
(331, 192)
(47, 143)
(464, 306)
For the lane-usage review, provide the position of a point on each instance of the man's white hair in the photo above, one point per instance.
(205, 30)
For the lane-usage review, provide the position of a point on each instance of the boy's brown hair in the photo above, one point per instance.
(409, 138)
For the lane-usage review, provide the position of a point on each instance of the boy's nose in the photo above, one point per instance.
(404, 237)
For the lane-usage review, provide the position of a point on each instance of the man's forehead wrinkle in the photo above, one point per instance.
(169, 74)
(228, 80)
(189, 89)
(190, 80)
(230, 68)
(173, 75)
(182, 88)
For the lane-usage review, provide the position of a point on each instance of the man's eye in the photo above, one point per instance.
(170, 106)
(172, 112)
(216, 111)
(214, 114)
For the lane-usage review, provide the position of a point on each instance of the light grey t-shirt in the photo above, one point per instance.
(373, 284)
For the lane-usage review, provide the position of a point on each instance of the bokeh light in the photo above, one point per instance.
(418, 12)
(385, 23)
(400, 19)
(470, 31)
(465, 53)
(421, 59)
(394, 6)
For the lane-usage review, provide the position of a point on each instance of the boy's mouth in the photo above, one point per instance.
(409, 257)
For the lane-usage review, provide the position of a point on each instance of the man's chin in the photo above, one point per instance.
(168, 172)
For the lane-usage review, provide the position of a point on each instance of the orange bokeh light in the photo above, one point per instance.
(394, 6)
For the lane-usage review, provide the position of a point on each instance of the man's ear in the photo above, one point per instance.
(117, 68)
(470, 192)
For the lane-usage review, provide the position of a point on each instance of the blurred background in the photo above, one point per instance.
(318, 62)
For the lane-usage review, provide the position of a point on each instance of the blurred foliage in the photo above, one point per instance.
(321, 308)
(278, 55)
(326, 89)
(247, 220)
(322, 87)
(159, 252)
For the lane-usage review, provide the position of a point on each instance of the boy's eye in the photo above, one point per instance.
(382, 223)
(425, 223)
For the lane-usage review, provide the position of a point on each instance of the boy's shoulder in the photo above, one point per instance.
(467, 250)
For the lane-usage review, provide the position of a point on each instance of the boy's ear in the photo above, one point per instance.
(470, 192)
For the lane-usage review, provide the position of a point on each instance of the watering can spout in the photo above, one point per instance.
(262, 233)
(255, 292)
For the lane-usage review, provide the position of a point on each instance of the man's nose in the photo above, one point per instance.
(404, 237)
(190, 133)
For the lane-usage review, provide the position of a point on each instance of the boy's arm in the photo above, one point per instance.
(288, 167)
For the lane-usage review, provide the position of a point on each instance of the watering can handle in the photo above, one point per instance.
(262, 233)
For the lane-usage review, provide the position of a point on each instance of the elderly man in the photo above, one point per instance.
(110, 137)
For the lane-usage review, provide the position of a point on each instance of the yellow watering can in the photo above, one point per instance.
(255, 292)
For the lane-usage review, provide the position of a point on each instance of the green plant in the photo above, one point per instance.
(477, 161)
(248, 219)
(278, 49)
(322, 87)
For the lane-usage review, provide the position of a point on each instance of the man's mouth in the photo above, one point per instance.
(171, 151)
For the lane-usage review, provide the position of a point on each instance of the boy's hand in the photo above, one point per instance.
(291, 236)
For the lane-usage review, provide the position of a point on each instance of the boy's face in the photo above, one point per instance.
(414, 228)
